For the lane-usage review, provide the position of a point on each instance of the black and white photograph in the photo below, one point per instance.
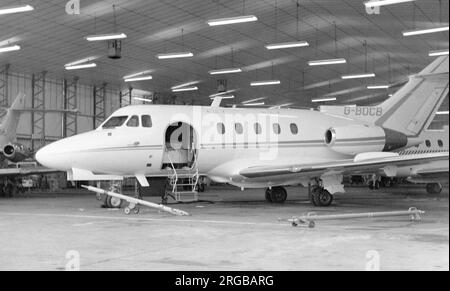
(221, 143)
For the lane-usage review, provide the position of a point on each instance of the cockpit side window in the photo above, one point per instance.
(146, 121)
(115, 121)
(133, 122)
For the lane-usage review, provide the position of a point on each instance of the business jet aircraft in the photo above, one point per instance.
(256, 148)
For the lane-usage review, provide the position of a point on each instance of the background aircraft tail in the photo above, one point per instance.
(413, 107)
(9, 119)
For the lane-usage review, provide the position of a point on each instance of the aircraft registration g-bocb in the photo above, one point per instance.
(257, 148)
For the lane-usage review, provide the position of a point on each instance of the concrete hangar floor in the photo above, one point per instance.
(239, 231)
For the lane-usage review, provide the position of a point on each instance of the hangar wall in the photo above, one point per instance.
(12, 83)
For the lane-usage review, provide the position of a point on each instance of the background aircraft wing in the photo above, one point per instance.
(26, 171)
(344, 167)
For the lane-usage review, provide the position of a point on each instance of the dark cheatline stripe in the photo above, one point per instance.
(130, 148)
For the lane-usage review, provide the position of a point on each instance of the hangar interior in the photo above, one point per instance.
(171, 52)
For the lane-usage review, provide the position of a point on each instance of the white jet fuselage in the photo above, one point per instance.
(221, 146)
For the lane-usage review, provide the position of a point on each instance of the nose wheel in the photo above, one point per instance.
(276, 195)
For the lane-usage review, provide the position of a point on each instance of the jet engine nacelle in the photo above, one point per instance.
(16, 152)
(356, 139)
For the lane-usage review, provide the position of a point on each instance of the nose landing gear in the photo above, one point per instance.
(276, 195)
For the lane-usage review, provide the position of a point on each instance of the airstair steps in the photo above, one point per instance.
(183, 184)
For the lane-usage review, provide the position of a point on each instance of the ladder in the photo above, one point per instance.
(183, 184)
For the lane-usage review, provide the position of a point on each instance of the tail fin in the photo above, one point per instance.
(9, 119)
(413, 107)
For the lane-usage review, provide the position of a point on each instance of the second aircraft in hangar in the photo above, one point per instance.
(257, 148)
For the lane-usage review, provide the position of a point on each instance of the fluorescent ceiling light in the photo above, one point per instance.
(221, 93)
(232, 20)
(425, 31)
(137, 74)
(255, 104)
(254, 100)
(86, 60)
(186, 89)
(175, 55)
(9, 48)
(358, 76)
(442, 113)
(110, 36)
(327, 62)
(225, 71)
(378, 3)
(143, 99)
(16, 9)
(78, 67)
(376, 87)
(185, 85)
(438, 53)
(285, 45)
(265, 83)
(323, 100)
(136, 79)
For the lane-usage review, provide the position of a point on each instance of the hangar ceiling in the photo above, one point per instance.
(51, 38)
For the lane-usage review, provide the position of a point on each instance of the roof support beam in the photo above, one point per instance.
(70, 124)
(99, 105)
(126, 97)
(4, 92)
(38, 115)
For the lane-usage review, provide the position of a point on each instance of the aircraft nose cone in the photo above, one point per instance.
(42, 156)
(51, 157)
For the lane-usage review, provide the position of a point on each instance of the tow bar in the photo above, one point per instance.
(311, 218)
(134, 202)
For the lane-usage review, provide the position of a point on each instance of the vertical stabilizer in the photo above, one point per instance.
(9, 120)
(413, 107)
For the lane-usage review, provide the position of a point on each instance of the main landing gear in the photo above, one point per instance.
(434, 188)
(319, 196)
(276, 195)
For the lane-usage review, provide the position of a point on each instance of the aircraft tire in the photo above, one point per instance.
(278, 195)
(113, 202)
(201, 188)
(322, 198)
(434, 188)
(314, 191)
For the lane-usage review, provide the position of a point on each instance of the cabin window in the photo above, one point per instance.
(440, 143)
(294, 128)
(238, 128)
(115, 121)
(428, 143)
(133, 122)
(258, 129)
(221, 128)
(146, 121)
(276, 128)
